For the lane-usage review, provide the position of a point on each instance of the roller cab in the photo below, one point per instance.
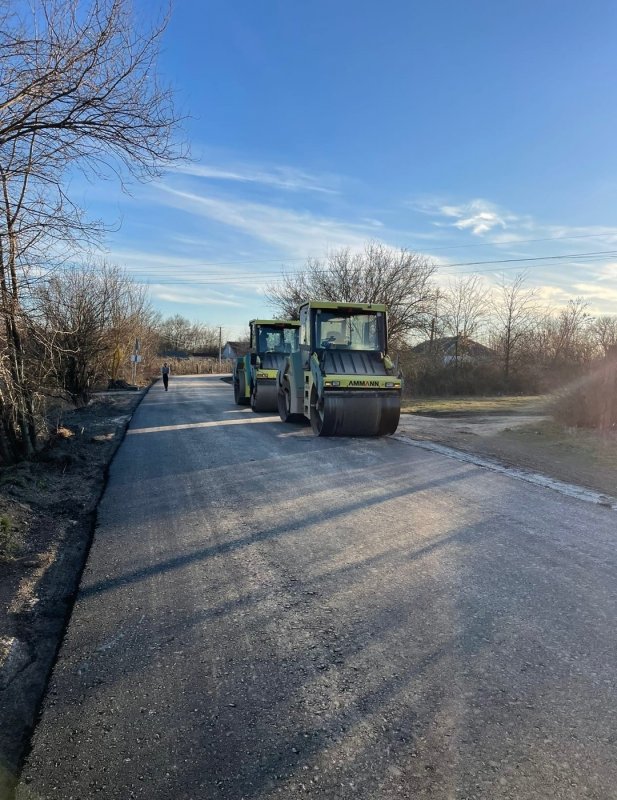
(254, 376)
(341, 378)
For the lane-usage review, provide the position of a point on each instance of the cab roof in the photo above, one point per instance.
(329, 306)
(278, 323)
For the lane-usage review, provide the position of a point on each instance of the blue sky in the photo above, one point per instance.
(459, 129)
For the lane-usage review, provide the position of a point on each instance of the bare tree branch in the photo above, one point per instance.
(401, 279)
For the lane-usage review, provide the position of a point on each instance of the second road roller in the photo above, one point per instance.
(341, 378)
(254, 376)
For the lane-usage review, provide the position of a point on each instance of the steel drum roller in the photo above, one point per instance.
(356, 413)
(266, 397)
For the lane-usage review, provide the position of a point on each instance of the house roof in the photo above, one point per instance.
(240, 348)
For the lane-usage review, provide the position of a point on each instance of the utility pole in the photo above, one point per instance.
(220, 348)
(135, 359)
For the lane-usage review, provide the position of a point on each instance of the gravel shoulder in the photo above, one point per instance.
(47, 516)
(533, 442)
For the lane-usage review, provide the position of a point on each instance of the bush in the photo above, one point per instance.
(591, 402)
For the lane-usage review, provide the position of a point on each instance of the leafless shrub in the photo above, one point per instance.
(591, 401)
(88, 320)
(604, 332)
(180, 336)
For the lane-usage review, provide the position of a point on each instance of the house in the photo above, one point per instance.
(235, 349)
(455, 349)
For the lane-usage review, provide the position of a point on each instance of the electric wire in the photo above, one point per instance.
(240, 277)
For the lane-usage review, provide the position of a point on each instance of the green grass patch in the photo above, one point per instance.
(502, 404)
(9, 540)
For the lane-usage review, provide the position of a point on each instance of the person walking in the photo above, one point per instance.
(165, 373)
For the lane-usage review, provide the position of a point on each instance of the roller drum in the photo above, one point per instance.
(264, 397)
(239, 389)
(356, 414)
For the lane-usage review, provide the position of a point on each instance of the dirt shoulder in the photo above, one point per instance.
(47, 517)
(533, 442)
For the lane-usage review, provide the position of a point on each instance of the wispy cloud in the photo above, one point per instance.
(595, 292)
(280, 177)
(196, 296)
(295, 232)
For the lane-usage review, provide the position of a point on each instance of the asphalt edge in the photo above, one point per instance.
(571, 490)
(45, 656)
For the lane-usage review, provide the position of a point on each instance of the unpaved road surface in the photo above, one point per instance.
(265, 614)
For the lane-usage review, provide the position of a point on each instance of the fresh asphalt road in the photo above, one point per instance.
(266, 614)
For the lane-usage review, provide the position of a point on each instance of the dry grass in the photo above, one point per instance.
(591, 450)
(9, 539)
(503, 404)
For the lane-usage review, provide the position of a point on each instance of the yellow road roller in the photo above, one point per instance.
(341, 378)
(254, 376)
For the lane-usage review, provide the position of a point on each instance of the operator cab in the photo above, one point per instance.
(347, 338)
(271, 341)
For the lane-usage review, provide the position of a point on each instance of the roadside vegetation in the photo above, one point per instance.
(507, 404)
(79, 95)
(9, 541)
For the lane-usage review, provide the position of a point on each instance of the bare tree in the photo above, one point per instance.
(514, 311)
(463, 308)
(78, 89)
(178, 335)
(571, 334)
(378, 274)
(88, 319)
(604, 331)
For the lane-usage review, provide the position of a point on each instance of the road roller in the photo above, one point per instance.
(341, 378)
(254, 376)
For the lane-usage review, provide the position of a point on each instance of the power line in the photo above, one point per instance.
(283, 261)
(226, 278)
(602, 235)
(533, 258)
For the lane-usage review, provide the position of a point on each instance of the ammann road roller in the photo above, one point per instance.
(341, 377)
(254, 377)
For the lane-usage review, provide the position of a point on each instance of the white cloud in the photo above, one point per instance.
(593, 291)
(280, 177)
(608, 272)
(478, 216)
(152, 262)
(481, 216)
(166, 272)
(196, 295)
(295, 232)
